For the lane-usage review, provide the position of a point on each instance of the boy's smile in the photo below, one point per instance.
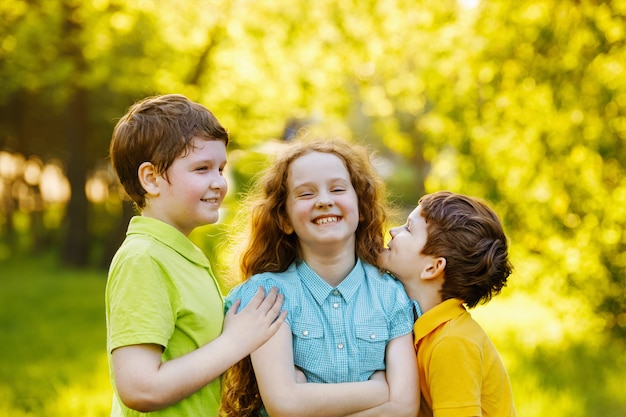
(191, 192)
(403, 256)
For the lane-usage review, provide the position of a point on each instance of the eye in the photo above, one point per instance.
(337, 189)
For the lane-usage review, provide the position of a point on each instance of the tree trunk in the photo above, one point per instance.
(76, 248)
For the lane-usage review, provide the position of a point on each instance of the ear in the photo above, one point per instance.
(434, 269)
(149, 178)
(285, 226)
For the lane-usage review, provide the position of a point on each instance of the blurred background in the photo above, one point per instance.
(521, 103)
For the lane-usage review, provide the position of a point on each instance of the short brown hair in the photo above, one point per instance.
(158, 129)
(469, 234)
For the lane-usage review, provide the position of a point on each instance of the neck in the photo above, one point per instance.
(333, 269)
(426, 293)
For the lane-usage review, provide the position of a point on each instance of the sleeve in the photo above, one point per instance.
(246, 290)
(141, 307)
(401, 317)
(455, 377)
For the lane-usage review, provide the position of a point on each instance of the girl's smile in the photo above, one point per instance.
(322, 206)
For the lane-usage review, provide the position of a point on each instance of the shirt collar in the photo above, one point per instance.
(436, 316)
(168, 235)
(417, 310)
(320, 289)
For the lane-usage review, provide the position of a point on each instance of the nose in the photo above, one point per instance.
(394, 231)
(219, 183)
(324, 202)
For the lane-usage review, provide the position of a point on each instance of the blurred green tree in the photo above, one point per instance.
(521, 103)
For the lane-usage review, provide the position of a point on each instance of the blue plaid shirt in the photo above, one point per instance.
(339, 334)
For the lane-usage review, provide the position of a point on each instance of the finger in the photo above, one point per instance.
(258, 298)
(233, 308)
(279, 321)
(270, 300)
(275, 308)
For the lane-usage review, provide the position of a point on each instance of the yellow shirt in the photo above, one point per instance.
(461, 373)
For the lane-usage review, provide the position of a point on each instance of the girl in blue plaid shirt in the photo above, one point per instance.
(346, 347)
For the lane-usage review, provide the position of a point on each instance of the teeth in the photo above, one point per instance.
(327, 220)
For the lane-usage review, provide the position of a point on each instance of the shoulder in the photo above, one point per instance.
(134, 254)
(282, 280)
(384, 282)
(286, 282)
(466, 328)
(138, 248)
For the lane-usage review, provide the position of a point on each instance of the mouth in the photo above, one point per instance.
(326, 220)
(211, 200)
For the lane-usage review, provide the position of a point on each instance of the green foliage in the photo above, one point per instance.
(521, 103)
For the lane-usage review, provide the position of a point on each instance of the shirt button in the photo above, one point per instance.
(305, 333)
(336, 305)
(340, 345)
(336, 292)
(373, 336)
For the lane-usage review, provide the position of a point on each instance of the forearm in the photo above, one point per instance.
(189, 373)
(329, 400)
(402, 379)
(145, 384)
(388, 409)
(283, 396)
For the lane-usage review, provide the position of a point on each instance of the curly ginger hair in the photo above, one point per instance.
(269, 249)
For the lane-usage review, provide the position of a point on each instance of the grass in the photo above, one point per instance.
(53, 351)
(53, 341)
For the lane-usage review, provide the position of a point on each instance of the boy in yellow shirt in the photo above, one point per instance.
(452, 254)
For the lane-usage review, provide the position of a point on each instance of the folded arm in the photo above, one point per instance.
(403, 380)
(284, 396)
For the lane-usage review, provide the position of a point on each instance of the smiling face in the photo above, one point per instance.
(403, 256)
(321, 205)
(191, 192)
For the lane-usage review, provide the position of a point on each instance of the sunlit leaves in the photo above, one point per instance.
(521, 103)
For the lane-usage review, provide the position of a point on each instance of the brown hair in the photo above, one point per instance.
(269, 249)
(466, 232)
(158, 130)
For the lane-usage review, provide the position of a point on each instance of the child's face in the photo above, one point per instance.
(194, 189)
(322, 205)
(403, 256)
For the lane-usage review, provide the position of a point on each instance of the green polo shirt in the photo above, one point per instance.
(161, 290)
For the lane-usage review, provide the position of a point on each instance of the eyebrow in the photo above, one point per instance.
(313, 183)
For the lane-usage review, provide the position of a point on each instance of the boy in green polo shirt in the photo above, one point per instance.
(452, 254)
(167, 338)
